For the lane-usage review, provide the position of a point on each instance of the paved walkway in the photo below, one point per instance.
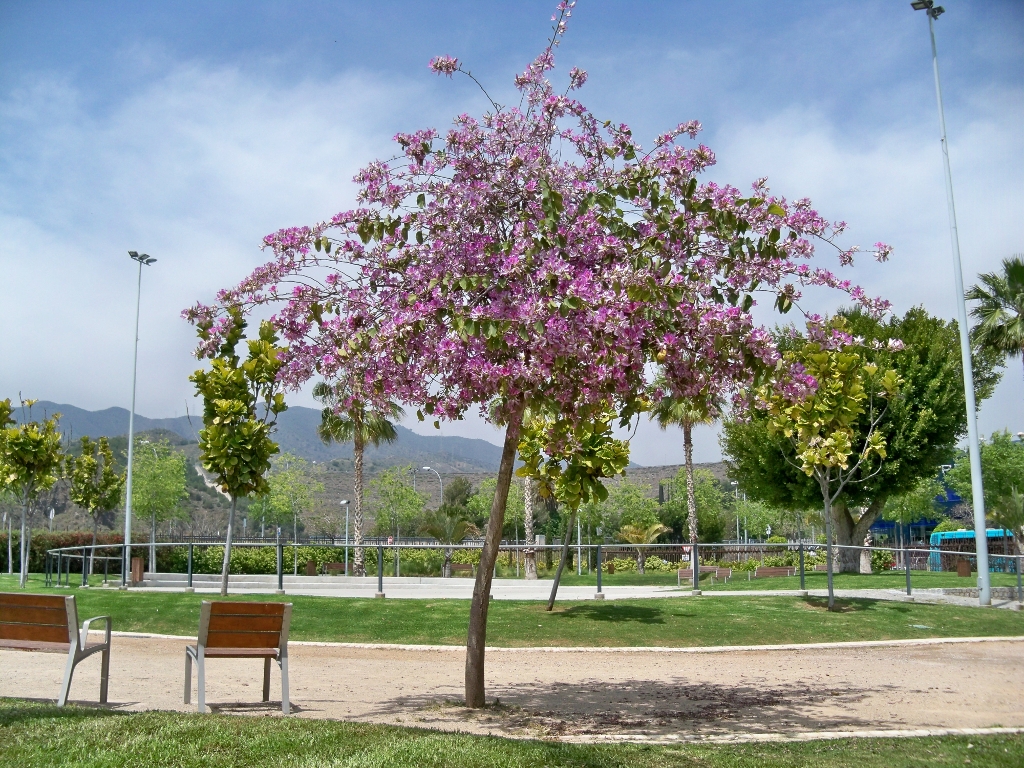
(585, 694)
(428, 588)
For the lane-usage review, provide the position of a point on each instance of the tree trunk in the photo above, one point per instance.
(691, 500)
(477, 635)
(152, 545)
(529, 554)
(641, 560)
(359, 559)
(446, 569)
(852, 533)
(825, 485)
(561, 563)
(227, 551)
(92, 553)
(23, 564)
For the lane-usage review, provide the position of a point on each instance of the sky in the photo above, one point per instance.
(189, 130)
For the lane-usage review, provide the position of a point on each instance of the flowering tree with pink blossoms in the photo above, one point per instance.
(533, 258)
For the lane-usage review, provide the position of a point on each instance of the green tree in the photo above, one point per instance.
(293, 495)
(921, 428)
(241, 403)
(916, 504)
(31, 461)
(398, 505)
(1002, 469)
(686, 413)
(159, 486)
(821, 424)
(345, 417)
(1008, 514)
(449, 525)
(639, 535)
(1000, 309)
(95, 484)
(708, 500)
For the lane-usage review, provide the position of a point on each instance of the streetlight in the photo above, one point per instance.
(146, 259)
(977, 492)
(345, 504)
(439, 481)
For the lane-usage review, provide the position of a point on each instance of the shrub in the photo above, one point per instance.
(882, 560)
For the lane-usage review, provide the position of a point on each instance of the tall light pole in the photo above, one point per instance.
(439, 481)
(933, 12)
(142, 258)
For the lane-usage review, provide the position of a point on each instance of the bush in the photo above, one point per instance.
(882, 560)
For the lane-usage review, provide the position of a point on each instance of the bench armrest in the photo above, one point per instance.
(84, 635)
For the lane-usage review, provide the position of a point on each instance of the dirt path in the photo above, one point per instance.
(580, 694)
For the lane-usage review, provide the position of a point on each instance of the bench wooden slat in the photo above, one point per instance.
(45, 633)
(236, 623)
(239, 653)
(243, 639)
(23, 614)
(35, 645)
(36, 601)
(246, 609)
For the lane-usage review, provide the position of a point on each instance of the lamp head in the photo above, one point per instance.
(928, 5)
(426, 469)
(343, 501)
(142, 258)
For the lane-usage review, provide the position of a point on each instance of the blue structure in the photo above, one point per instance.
(997, 563)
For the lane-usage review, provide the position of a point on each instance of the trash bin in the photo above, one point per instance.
(311, 567)
(963, 568)
(137, 570)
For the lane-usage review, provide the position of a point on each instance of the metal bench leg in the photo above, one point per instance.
(188, 677)
(285, 704)
(201, 673)
(104, 674)
(69, 670)
(266, 679)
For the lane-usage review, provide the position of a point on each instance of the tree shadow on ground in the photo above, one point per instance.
(651, 707)
(640, 614)
(14, 711)
(853, 605)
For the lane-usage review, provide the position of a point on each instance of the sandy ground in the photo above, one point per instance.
(578, 694)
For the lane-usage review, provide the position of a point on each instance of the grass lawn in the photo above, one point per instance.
(682, 621)
(42, 735)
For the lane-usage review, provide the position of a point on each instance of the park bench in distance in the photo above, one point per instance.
(49, 624)
(719, 573)
(241, 630)
(462, 568)
(333, 569)
(766, 570)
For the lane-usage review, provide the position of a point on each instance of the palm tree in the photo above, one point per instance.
(687, 412)
(340, 423)
(1000, 309)
(638, 535)
(449, 525)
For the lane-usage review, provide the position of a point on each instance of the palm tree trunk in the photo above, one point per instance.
(359, 560)
(477, 635)
(691, 500)
(641, 559)
(92, 553)
(530, 554)
(152, 544)
(227, 551)
(446, 569)
(561, 563)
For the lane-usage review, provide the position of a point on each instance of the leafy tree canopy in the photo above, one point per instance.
(1002, 470)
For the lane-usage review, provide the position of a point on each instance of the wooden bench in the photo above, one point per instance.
(332, 569)
(715, 571)
(766, 570)
(821, 567)
(462, 568)
(241, 630)
(49, 624)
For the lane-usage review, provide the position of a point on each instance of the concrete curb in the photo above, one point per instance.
(747, 738)
(627, 649)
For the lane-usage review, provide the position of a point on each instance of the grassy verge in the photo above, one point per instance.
(754, 620)
(42, 735)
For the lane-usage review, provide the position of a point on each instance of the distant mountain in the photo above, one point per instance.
(296, 433)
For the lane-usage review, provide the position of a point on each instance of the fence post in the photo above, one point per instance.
(906, 564)
(1020, 591)
(695, 562)
(106, 569)
(189, 587)
(60, 563)
(600, 594)
(380, 571)
(803, 586)
(85, 570)
(46, 569)
(280, 573)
